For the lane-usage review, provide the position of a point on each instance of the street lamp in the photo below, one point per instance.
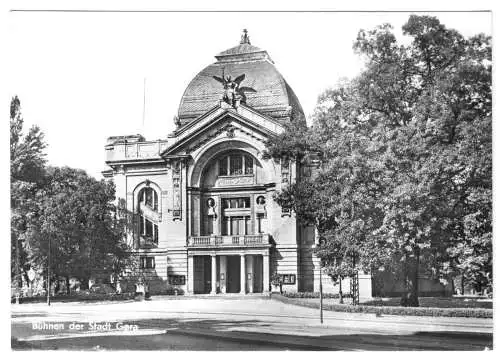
(48, 274)
(320, 294)
(321, 241)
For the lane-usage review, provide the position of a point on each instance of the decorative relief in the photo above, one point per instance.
(230, 131)
(211, 208)
(285, 181)
(177, 192)
(260, 207)
(234, 181)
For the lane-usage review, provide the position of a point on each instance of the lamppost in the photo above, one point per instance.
(320, 294)
(321, 241)
(48, 274)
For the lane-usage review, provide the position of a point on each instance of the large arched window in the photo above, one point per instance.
(236, 164)
(148, 216)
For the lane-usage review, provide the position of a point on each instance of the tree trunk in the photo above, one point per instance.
(341, 298)
(57, 286)
(410, 276)
(68, 291)
(84, 283)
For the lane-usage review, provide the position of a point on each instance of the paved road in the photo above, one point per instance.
(234, 324)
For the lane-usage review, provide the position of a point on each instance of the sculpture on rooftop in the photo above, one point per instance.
(232, 89)
(177, 122)
(245, 39)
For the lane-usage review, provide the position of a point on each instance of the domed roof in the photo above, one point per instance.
(263, 88)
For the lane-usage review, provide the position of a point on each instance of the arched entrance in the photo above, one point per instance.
(229, 222)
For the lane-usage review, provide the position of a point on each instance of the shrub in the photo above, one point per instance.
(310, 295)
(409, 311)
(171, 291)
(76, 297)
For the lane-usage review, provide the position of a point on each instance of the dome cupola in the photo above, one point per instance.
(258, 82)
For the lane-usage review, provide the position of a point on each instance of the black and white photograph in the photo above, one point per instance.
(249, 178)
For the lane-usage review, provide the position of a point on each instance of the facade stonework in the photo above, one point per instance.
(201, 201)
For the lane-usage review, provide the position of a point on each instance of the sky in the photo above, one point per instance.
(80, 76)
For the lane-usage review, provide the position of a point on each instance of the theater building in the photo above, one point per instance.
(202, 199)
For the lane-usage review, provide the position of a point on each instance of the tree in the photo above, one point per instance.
(426, 96)
(78, 217)
(406, 158)
(335, 199)
(64, 205)
(27, 161)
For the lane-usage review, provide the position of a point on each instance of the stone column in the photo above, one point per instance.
(265, 272)
(214, 274)
(190, 274)
(223, 273)
(250, 277)
(243, 276)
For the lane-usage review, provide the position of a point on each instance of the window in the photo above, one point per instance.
(238, 202)
(149, 197)
(148, 205)
(248, 165)
(260, 218)
(223, 166)
(224, 229)
(237, 225)
(208, 227)
(176, 279)
(147, 262)
(236, 165)
(288, 278)
(148, 230)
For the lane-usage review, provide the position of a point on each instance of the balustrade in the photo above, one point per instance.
(229, 241)
(135, 150)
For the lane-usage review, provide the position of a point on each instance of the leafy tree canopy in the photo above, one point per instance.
(64, 205)
(405, 150)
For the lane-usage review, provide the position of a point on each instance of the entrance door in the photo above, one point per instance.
(202, 274)
(233, 274)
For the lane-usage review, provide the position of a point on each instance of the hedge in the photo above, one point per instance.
(409, 311)
(84, 297)
(311, 295)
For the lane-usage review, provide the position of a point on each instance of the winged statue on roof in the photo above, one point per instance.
(232, 88)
